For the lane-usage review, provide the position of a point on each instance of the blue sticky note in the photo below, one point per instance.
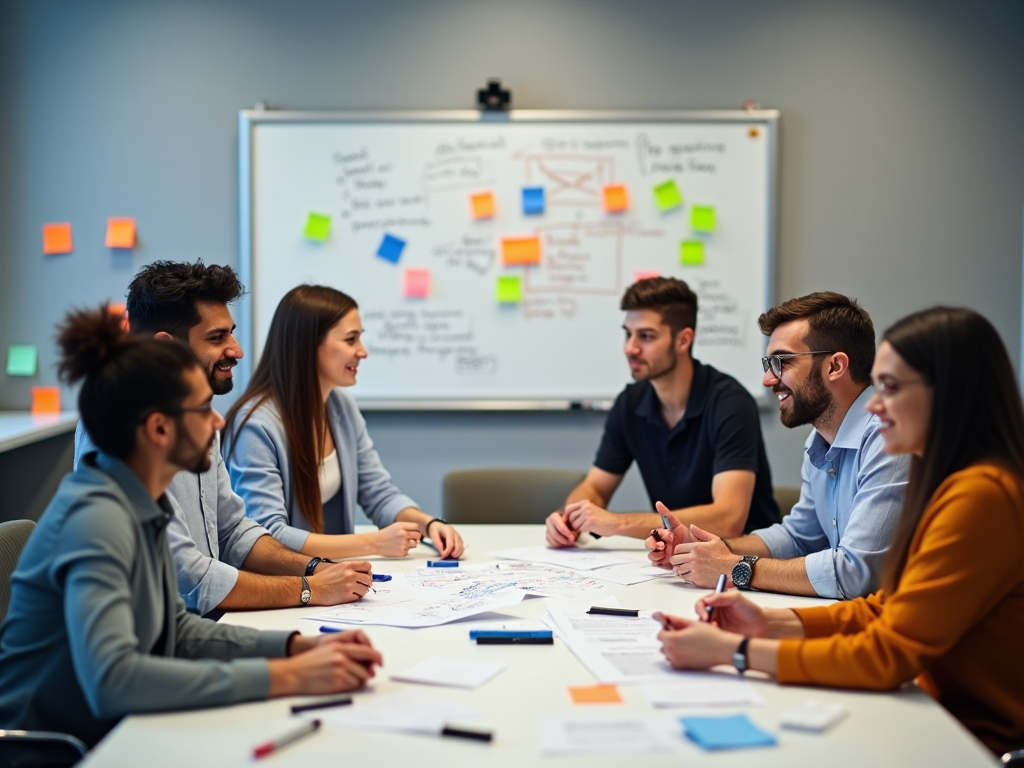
(391, 248)
(730, 732)
(533, 200)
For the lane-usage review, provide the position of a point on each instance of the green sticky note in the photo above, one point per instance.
(702, 218)
(667, 195)
(510, 290)
(22, 360)
(318, 227)
(691, 253)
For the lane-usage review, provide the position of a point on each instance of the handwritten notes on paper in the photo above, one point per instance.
(520, 250)
(57, 238)
(22, 360)
(120, 233)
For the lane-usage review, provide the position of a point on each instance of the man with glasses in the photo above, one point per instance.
(820, 350)
(224, 560)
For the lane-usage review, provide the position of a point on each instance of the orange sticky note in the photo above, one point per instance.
(119, 310)
(56, 238)
(520, 250)
(417, 283)
(483, 205)
(45, 399)
(616, 198)
(120, 233)
(595, 694)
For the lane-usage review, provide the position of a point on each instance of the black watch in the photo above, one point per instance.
(430, 522)
(306, 594)
(739, 658)
(312, 564)
(743, 571)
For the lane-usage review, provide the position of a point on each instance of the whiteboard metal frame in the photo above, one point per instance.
(249, 119)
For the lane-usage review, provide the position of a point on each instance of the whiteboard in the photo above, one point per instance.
(412, 178)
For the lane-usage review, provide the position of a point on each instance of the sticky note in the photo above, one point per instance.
(643, 274)
(45, 399)
(533, 200)
(520, 250)
(510, 290)
(691, 253)
(417, 283)
(482, 204)
(56, 238)
(391, 248)
(120, 233)
(667, 195)
(318, 227)
(22, 360)
(728, 732)
(702, 218)
(119, 310)
(616, 198)
(595, 694)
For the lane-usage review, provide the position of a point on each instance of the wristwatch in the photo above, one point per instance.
(739, 659)
(306, 594)
(312, 564)
(743, 571)
(430, 522)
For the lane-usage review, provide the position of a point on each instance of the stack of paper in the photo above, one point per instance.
(582, 733)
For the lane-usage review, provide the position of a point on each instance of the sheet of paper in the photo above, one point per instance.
(627, 573)
(391, 248)
(22, 360)
(586, 733)
(520, 250)
(576, 558)
(702, 218)
(417, 283)
(533, 200)
(812, 715)
(405, 712)
(120, 233)
(482, 205)
(643, 274)
(616, 198)
(667, 195)
(318, 227)
(595, 694)
(691, 253)
(703, 690)
(509, 290)
(729, 732)
(57, 238)
(453, 673)
(531, 578)
(45, 399)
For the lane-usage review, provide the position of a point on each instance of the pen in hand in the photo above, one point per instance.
(719, 587)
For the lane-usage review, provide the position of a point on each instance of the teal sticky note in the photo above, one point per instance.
(667, 195)
(691, 253)
(702, 218)
(509, 290)
(22, 360)
(730, 732)
(318, 227)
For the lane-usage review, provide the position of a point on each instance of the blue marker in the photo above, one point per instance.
(477, 633)
(326, 628)
(381, 577)
(442, 563)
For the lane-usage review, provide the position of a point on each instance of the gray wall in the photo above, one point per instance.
(902, 147)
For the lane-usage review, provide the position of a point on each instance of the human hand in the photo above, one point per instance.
(446, 540)
(558, 533)
(734, 612)
(396, 539)
(301, 643)
(336, 663)
(586, 517)
(335, 583)
(702, 559)
(663, 547)
(691, 644)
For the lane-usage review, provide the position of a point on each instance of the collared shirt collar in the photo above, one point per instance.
(850, 433)
(650, 408)
(145, 507)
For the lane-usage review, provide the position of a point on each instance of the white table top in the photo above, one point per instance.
(18, 428)
(905, 728)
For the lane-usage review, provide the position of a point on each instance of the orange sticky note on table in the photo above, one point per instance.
(483, 205)
(57, 238)
(45, 399)
(520, 250)
(595, 694)
(616, 198)
(120, 233)
(417, 283)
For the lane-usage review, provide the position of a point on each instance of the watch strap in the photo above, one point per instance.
(307, 594)
(430, 522)
(312, 564)
(739, 658)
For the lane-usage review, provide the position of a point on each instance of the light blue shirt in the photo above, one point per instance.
(851, 497)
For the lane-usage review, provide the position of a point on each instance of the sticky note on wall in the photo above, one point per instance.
(643, 274)
(691, 253)
(119, 310)
(667, 195)
(702, 218)
(318, 227)
(417, 283)
(509, 290)
(520, 250)
(45, 399)
(57, 238)
(120, 233)
(482, 205)
(22, 360)
(391, 248)
(616, 198)
(533, 200)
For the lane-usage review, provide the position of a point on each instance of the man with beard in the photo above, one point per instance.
(224, 560)
(693, 431)
(820, 350)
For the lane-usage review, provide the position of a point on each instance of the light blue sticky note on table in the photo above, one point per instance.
(729, 732)
(22, 360)
(391, 248)
(533, 200)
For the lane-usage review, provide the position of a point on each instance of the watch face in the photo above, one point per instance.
(306, 594)
(741, 574)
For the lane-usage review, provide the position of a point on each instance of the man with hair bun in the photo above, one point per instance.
(95, 629)
(693, 431)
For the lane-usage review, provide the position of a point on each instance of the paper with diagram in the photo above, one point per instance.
(530, 578)
(576, 558)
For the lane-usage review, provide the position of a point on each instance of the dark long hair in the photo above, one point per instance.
(976, 410)
(287, 375)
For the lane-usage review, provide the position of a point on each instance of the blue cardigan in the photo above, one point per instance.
(260, 473)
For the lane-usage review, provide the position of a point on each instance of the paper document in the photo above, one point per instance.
(571, 557)
(530, 578)
(699, 690)
(627, 574)
(583, 733)
(407, 712)
(455, 673)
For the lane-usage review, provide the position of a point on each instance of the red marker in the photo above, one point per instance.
(272, 746)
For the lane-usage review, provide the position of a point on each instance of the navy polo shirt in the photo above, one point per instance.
(720, 431)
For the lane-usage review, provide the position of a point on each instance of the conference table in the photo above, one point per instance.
(901, 728)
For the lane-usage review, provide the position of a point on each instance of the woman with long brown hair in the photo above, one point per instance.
(950, 612)
(297, 449)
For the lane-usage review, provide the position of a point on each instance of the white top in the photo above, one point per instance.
(330, 477)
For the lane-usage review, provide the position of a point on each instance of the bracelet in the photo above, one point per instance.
(312, 564)
(430, 522)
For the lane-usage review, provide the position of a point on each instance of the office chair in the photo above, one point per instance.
(506, 495)
(22, 749)
(786, 498)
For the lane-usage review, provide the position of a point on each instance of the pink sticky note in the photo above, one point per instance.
(643, 274)
(417, 283)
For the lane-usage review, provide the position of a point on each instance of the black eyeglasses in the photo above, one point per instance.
(775, 362)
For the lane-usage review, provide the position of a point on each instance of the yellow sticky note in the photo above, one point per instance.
(509, 290)
(318, 227)
(417, 283)
(667, 195)
(57, 238)
(702, 218)
(45, 399)
(520, 250)
(120, 233)
(616, 198)
(482, 204)
(691, 253)
(595, 694)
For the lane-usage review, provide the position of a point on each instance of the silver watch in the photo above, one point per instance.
(743, 571)
(306, 594)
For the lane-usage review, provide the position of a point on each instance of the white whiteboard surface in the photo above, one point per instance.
(410, 175)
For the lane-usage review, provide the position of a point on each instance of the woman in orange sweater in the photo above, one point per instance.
(950, 612)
